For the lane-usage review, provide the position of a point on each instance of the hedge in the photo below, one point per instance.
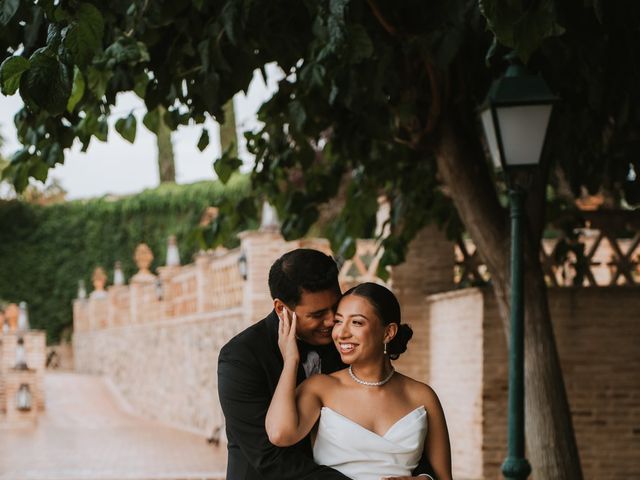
(46, 250)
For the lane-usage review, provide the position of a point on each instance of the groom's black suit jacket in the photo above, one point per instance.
(249, 368)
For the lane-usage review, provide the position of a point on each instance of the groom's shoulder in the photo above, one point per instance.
(250, 340)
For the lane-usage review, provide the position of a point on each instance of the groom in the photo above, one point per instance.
(250, 364)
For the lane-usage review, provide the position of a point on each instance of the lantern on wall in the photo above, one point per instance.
(21, 356)
(24, 398)
(242, 266)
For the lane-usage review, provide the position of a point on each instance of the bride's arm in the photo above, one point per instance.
(292, 414)
(437, 446)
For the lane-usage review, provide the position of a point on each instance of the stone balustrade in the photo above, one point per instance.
(170, 327)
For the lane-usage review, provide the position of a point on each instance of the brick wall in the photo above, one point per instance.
(597, 333)
(429, 270)
(164, 370)
(456, 375)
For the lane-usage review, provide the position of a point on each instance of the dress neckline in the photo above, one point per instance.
(419, 409)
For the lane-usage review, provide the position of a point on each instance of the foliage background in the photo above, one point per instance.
(46, 250)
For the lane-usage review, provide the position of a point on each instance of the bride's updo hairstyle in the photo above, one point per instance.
(386, 306)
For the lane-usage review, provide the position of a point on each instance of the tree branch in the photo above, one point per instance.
(391, 30)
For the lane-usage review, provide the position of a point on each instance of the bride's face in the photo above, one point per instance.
(358, 332)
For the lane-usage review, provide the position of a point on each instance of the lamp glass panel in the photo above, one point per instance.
(23, 397)
(490, 135)
(21, 355)
(523, 129)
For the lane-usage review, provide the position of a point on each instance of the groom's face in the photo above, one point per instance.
(316, 316)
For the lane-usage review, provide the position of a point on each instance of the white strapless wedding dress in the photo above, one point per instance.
(363, 455)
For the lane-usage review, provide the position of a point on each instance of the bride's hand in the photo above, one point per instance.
(287, 336)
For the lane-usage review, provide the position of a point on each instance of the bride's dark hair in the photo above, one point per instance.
(386, 305)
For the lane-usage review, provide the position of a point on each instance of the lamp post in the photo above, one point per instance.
(515, 116)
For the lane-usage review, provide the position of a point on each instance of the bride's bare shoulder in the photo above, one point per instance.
(420, 392)
(321, 381)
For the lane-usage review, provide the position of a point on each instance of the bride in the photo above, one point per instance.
(370, 421)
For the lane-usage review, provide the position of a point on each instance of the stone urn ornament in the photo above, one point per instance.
(143, 257)
(12, 313)
(99, 280)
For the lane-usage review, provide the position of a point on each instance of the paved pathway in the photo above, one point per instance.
(84, 435)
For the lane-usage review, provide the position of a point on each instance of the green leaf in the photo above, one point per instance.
(83, 37)
(39, 170)
(361, 47)
(141, 80)
(127, 127)
(298, 115)
(52, 155)
(226, 165)
(520, 28)
(47, 83)
(204, 140)
(77, 91)
(10, 72)
(98, 80)
(127, 50)
(151, 120)
(8, 9)
(348, 248)
(102, 131)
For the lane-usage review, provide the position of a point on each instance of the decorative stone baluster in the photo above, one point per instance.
(23, 317)
(12, 312)
(99, 280)
(173, 254)
(118, 275)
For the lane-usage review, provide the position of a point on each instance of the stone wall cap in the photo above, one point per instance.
(463, 292)
(142, 277)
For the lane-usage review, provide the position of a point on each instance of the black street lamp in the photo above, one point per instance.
(515, 116)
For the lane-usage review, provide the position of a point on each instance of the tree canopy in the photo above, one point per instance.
(378, 97)
(366, 86)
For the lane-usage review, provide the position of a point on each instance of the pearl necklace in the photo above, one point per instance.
(371, 384)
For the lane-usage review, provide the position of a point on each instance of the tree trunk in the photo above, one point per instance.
(166, 161)
(551, 443)
(228, 132)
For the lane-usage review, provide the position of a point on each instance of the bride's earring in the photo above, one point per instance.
(385, 348)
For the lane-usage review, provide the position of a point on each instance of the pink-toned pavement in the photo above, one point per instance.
(86, 435)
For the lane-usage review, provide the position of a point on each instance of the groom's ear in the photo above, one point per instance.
(279, 306)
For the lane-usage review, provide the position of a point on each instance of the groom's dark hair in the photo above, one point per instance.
(301, 270)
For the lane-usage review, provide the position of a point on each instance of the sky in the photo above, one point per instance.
(118, 167)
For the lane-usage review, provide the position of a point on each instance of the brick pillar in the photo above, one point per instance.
(167, 307)
(203, 263)
(261, 248)
(428, 269)
(80, 315)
